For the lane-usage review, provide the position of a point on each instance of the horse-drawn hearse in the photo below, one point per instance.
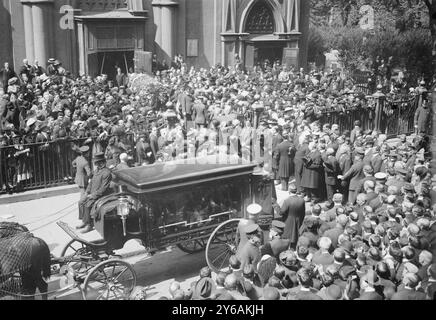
(194, 204)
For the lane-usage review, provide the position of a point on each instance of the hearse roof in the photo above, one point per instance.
(181, 172)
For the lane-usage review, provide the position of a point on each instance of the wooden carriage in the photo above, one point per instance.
(192, 204)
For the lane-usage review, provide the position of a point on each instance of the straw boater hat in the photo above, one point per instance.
(254, 209)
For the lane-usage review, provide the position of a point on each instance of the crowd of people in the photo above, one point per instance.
(376, 241)
(154, 122)
(369, 233)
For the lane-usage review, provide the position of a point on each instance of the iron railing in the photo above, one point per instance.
(50, 165)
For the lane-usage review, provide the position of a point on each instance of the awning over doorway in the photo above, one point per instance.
(116, 14)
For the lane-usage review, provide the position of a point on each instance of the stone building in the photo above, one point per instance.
(93, 36)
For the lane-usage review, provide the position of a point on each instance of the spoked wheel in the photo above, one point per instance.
(110, 280)
(222, 245)
(193, 246)
(80, 256)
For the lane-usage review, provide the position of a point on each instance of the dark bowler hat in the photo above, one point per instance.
(99, 157)
(204, 289)
(251, 229)
(278, 226)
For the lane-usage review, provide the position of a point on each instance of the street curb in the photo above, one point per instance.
(39, 194)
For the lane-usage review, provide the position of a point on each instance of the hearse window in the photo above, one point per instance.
(195, 204)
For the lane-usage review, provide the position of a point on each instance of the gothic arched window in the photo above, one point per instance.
(260, 19)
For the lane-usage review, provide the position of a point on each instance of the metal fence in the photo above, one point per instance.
(345, 120)
(44, 165)
(397, 116)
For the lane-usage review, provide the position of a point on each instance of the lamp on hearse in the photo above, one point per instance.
(123, 210)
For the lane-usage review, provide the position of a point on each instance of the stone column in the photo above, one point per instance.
(28, 32)
(165, 20)
(40, 25)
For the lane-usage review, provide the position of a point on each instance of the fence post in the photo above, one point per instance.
(433, 138)
(380, 98)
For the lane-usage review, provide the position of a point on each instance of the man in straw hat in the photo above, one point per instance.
(99, 186)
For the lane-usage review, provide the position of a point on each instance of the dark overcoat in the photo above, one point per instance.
(286, 163)
(313, 171)
(292, 213)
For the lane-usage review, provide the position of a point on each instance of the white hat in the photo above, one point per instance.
(30, 122)
(254, 209)
(380, 176)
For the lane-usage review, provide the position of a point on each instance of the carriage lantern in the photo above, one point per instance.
(123, 209)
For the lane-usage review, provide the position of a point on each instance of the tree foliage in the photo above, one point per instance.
(402, 29)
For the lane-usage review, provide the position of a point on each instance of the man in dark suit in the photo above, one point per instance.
(250, 252)
(276, 245)
(276, 140)
(322, 256)
(331, 170)
(313, 174)
(199, 114)
(422, 118)
(83, 174)
(369, 176)
(286, 163)
(305, 292)
(7, 73)
(154, 142)
(26, 69)
(367, 285)
(292, 214)
(300, 154)
(355, 175)
(185, 101)
(99, 186)
(408, 291)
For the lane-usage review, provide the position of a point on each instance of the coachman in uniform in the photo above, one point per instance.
(99, 186)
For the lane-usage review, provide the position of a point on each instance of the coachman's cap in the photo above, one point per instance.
(278, 226)
(254, 209)
(251, 229)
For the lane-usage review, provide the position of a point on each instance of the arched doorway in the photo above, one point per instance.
(261, 24)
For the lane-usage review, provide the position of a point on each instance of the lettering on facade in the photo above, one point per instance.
(67, 20)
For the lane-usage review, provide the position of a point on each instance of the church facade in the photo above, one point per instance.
(93, 36)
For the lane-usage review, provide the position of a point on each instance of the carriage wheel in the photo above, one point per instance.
(110, 280)
(193, 246)
(222, 245)
(76, 249)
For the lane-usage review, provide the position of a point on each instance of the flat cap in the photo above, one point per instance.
(279, 225)
(251, 229)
